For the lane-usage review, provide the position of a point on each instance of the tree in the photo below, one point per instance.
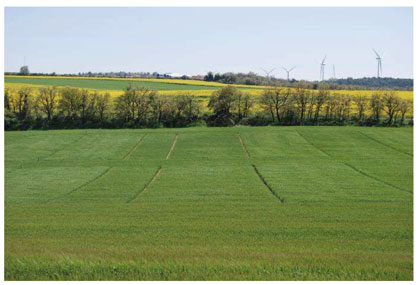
(159, 106)
(321, 97)
(24, 70)
(391, 104)
(276, 101)
(142, 102)
(222, 101)
(301, 98)
(403, 108)
(103, 102)
(343, 107)
(375, 104)
(361, 103)
(209, 76)
(47, 101)
(125, 105)
(331, 104)
(243, 105)
(6, 100)
(70, 102)
(186, 107)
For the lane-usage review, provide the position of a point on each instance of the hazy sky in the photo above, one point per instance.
(196, 40)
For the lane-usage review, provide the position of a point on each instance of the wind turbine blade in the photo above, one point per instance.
(272, 70)
(377, 54)
(284, 68)
(292, 68)
(324, 59)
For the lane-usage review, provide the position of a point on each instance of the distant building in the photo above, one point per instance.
(170, 75)
(197, 77)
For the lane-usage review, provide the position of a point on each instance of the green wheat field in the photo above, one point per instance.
(240, 203)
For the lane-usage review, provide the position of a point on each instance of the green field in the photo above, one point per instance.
(273, 203)
(106, 84)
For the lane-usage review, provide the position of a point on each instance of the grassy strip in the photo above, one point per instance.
(80, 270)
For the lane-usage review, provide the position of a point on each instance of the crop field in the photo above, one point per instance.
(115, 86)
(241, 203)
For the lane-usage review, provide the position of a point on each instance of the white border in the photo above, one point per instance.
(213, 3)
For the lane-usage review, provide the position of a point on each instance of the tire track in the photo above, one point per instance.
(155, 176)
(358, 170)
(376, 179)
(243, 146)
(84, 184)
(313, 145)
(272, 192)
(386, 145)
(172, 147)
(135, 147)
(63, 147)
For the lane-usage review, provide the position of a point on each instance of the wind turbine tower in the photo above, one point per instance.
(379, 59)
(321, 73)
(268, 73)
(288, 71)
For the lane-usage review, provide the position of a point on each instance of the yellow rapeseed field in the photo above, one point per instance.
(204, 93)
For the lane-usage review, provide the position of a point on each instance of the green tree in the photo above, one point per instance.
(24, 70)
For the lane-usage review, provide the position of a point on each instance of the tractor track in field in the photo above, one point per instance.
(272, 192)
(135, 147)
(243, 146)
(376, 179)
(84, 184)
(257, 172)
(172, 147)
(313, 145)
(356, 169)
(64, 147)
(155, 176)
(386, 145)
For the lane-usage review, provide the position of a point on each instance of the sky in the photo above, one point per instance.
(197, 40)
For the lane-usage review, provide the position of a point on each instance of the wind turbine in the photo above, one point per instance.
(268, 73)
(333, 71)
(288, 71)
(379, 59)
(321, 73)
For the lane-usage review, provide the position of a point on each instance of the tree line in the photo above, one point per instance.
(252, 78)
(52, 108)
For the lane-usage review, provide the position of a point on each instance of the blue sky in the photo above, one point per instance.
(197, 40)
